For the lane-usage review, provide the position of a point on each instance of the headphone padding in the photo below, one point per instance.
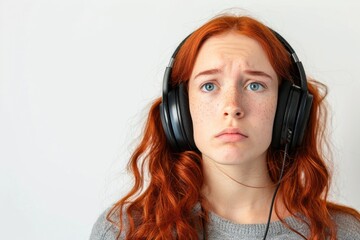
(174, 113)
(302, 118)
(283, 96)
(185, 119)
(165, 121)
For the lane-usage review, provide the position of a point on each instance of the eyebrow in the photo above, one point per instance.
(208, 72)
(258, 73)
(250, 72)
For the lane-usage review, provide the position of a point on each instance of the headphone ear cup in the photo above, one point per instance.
(185, 118)
(176, 120)
(166, 124)
(180, 119)
(302, 118)
(283, 96)
(286, 115)
(175, 115)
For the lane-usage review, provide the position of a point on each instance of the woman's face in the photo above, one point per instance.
(233, 93)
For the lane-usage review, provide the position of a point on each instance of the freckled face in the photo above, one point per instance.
(233, 93)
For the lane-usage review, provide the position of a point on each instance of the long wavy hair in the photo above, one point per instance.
(167, 185)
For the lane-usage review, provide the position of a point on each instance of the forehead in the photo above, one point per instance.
(235, 48)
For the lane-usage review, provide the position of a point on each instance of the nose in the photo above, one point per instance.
(233, 104)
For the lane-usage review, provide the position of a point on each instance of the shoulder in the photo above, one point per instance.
(104, 229)
(348, 227)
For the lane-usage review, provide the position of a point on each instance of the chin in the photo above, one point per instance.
(231, 156)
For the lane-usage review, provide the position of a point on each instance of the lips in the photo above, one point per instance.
(231, 135)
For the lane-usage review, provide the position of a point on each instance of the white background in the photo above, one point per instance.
(77, 78)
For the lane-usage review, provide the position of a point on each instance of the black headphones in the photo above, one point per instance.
(291, 118)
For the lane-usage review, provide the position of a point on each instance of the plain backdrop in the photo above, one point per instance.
(77, 78)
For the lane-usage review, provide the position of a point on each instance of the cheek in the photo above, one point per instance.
(197, 120)
(198, 111)
(201, 114)
(266, 114)
(269, 111)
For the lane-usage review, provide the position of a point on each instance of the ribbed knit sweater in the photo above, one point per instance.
(348, 228)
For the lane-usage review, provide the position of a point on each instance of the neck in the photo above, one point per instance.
(240, 193)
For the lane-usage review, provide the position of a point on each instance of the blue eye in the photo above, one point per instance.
(254, 86)
(208, 87)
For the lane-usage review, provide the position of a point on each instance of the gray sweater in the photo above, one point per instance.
(222, 229)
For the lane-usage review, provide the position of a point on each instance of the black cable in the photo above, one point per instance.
(276, 190)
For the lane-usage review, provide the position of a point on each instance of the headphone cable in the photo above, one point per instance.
(276, 190)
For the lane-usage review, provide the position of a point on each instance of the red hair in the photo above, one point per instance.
(163, 208)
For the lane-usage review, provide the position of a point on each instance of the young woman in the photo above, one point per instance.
(234, 148)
